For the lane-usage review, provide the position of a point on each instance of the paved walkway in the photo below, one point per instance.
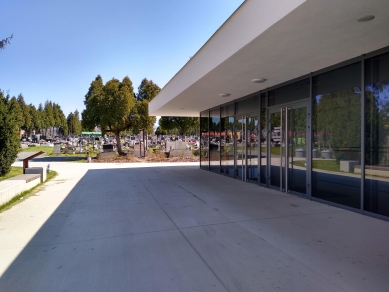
(140, 227)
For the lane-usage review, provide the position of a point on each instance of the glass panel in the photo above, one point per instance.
(204, 140)
(297, 138)
(289, 93)
(252, 148)
(263, 147)
(214, 140)
(376, 197)
(240, 138)
(227, 146)
(337, 135)
(263, 100)
(275, 148)
(227, 111)
(247, 105)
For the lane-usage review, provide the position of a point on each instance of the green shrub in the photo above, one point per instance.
(9, 139)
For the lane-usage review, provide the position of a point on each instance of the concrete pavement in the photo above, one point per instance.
(173, 227)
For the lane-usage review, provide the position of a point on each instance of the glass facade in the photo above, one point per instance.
(214, 140)
(227, 122)
(252, 151)
(263, 140)
(324, 137)
(204, 140)
(376, 195)
(337, 135)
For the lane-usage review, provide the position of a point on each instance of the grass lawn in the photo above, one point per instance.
(48, 150)
(275, 150)
(329, 165)
(15, 170)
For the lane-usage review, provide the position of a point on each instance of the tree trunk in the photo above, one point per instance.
(119, 144)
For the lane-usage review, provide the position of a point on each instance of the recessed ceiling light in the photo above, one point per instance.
(366, 18)
(224, 94)
(260, 80)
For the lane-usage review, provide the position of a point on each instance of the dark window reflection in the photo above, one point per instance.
(263, 140)
(247, 105)
(204, 140)
(337, 136)
(290, 93)
(376, 197)
(252, 146)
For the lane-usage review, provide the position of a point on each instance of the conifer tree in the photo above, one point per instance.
(9, 137)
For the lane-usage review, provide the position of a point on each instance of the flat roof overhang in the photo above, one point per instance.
(278, 40)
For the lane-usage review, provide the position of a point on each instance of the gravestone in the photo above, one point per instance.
(315, 153)
(181, 153)
(176, 145)
(107, 148)
(326, 154)
(57, 148)
(106, 156)
(300, 153)
(69, 149)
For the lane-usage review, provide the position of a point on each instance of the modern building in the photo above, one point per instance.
(294, 95)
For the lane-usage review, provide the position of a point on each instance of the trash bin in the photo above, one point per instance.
(326, 154)
(315, 153)
(300, 152)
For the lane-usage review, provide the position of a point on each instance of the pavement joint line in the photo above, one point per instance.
(170, 229)
(187, 240)
(93, 239)
(257, 219)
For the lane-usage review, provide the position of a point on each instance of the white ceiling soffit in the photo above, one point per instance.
(277, 40)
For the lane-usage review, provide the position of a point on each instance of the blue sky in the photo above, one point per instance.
(60, 46)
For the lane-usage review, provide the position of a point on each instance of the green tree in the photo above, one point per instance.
(93, 105)
(74, 123)
(41, 117)
(16, 110)
(182, 123)
(338, 118)
(60, 119)
(70, 121)
(35, 118)
(56, 115)
(77, 128)
(9, 137)
(95, 88)
(111, 107)
(26, 117)
(159, 131)
(49, 121)
(141, 118)
(147, 90)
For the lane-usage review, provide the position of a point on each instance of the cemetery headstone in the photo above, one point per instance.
(57, 148)
(107, 148)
